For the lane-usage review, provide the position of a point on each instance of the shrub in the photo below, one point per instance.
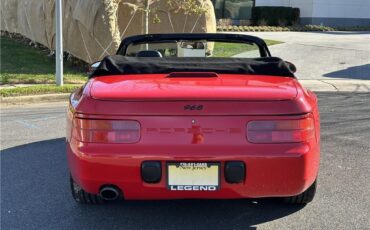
(224, 22)
(282, 22)
(289, 28)
(262, 22)
(274, 16)
(244, 22)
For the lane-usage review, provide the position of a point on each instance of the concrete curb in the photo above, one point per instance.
(21, 100)
(354, 86)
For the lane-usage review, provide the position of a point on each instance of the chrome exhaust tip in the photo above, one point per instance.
(109, 193)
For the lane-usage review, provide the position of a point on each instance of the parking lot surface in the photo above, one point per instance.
(324, 55)
(35, 191)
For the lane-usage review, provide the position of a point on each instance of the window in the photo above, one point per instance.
(233, 9)
(200, 48)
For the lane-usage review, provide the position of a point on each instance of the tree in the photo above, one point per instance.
(187, 7)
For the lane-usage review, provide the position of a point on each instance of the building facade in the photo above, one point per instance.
(318, 12)
(233, 9)
(328, 12)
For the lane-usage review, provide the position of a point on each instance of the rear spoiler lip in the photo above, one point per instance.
(192, 75)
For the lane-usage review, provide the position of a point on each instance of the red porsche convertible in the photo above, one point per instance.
(183, 116)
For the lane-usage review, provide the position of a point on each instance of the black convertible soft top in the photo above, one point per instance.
(121, 65)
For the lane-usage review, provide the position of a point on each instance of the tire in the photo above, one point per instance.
(303, 198)
(82, 197)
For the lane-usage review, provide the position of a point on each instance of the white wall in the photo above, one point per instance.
(341, 9)
(325, 8)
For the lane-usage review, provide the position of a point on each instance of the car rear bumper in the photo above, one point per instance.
(284, 172)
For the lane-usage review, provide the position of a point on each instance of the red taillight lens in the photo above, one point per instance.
(280, 131)
(106, 131)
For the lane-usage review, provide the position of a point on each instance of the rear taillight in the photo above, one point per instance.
(280, 131)
(106, 131)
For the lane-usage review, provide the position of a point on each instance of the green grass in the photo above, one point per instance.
(36, 90)
(223, 49)
(22, 64)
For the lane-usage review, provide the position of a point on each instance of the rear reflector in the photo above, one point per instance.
(280, 131)
(106, 131)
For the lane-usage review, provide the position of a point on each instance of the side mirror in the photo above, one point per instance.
(93, 67)
(291, 66)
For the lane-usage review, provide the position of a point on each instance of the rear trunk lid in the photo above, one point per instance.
(225, 95)
(223, 87)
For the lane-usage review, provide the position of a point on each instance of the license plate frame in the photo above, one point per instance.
(196, 169)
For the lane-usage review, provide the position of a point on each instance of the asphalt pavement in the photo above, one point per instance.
(35, 191)
(324, 55)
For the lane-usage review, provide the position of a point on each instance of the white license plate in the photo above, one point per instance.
(193, 176)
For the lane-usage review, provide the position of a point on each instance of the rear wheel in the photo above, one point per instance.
(83, 197)
(303, 198)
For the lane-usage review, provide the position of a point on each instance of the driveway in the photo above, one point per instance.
(35, 192)
(324, 55)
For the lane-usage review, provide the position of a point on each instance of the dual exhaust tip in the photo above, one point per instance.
(110, 193)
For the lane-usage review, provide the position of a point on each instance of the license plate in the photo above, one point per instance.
(193, 176)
